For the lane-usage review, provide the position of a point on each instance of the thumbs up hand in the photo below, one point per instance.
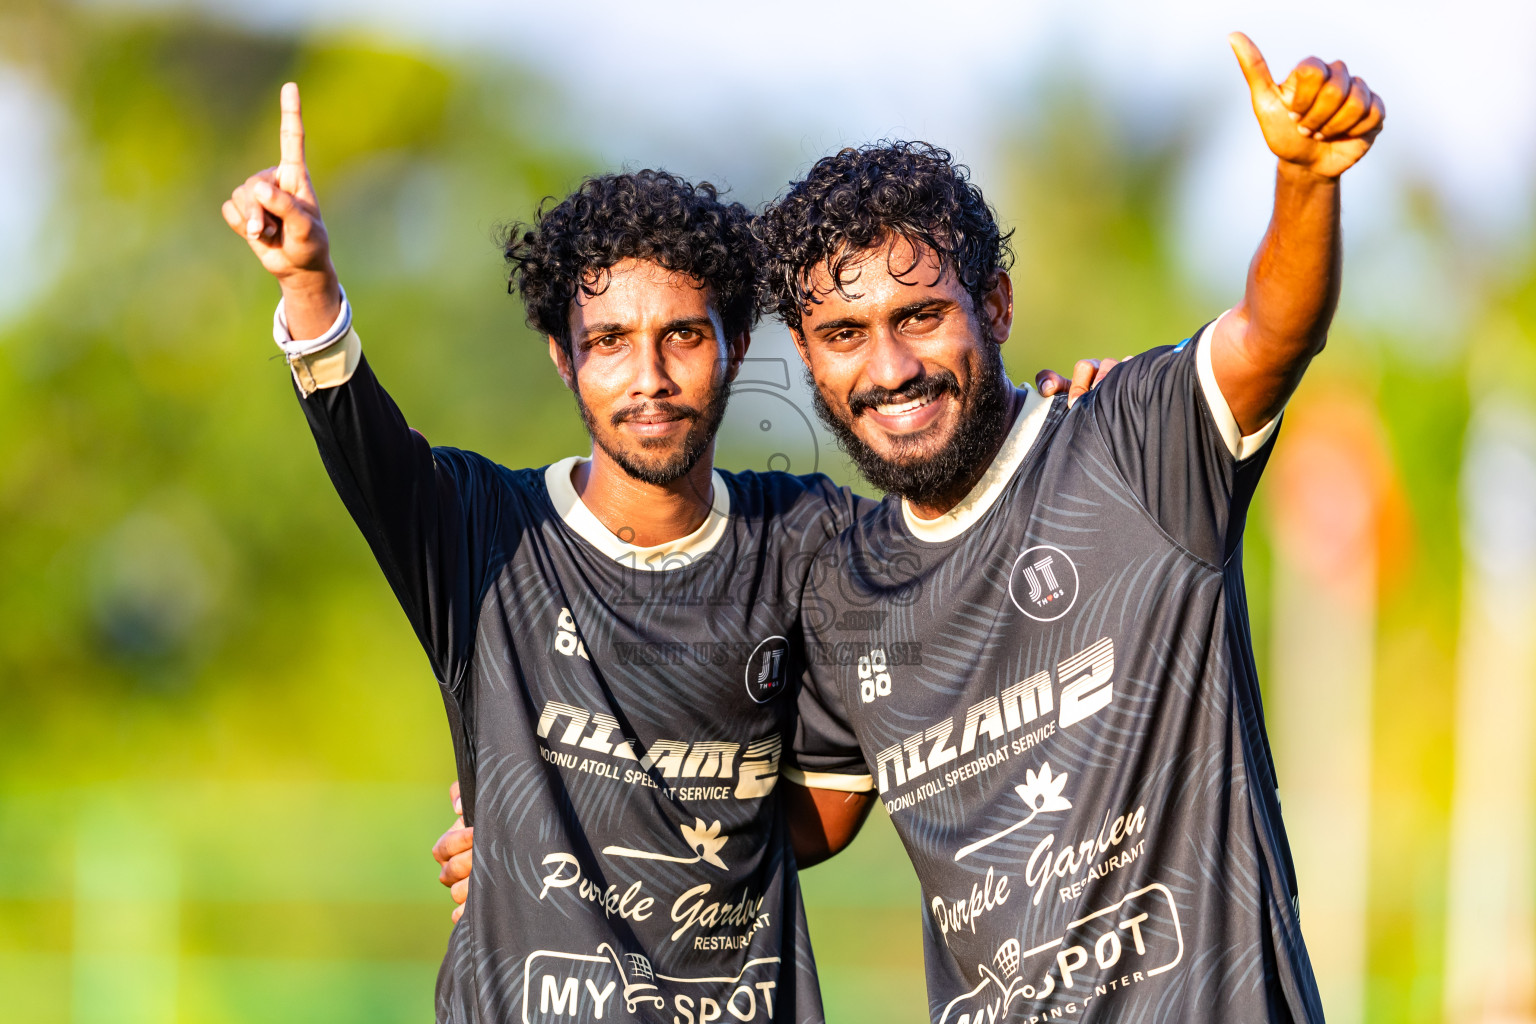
(276, 213)
(1320, 118)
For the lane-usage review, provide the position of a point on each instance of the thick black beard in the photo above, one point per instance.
(706, 423)
(942, 479)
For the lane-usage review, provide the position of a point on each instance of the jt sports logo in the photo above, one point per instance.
(1043, 584)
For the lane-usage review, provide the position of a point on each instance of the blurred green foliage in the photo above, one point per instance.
(223, 755)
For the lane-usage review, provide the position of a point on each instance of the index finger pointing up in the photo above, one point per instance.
(291, 171)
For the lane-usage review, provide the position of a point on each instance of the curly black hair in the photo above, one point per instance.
(646, 215)
(861, 198)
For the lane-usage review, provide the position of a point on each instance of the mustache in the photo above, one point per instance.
(928, 386)
(665, 410)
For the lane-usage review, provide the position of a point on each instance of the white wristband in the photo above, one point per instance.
(300, 347)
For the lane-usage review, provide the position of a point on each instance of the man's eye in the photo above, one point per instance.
(688, 334)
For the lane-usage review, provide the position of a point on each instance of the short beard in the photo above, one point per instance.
(705, 425)
(943, 478)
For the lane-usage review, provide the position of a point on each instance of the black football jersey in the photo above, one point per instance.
(619, 716)
(1052, 690)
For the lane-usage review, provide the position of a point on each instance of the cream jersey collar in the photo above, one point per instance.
(673, 554)
(1021, 437)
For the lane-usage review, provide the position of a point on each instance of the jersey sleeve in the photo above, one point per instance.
(1174, 439)
(428, 514)
(825, 753)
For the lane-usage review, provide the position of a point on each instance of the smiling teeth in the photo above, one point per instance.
(897, 410)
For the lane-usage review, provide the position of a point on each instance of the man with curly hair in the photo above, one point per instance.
(1071, 745)
(616, 637)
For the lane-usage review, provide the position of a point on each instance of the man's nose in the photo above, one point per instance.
(892, 363)
(652, 377)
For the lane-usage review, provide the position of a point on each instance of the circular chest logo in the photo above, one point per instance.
(768, 669)
(1043, 584)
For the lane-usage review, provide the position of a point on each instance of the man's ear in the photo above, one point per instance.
(997, 308)
(562, 361)
(735, 352)
(800, 347)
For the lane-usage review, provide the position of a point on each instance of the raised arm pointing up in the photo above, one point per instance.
(275, 211)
